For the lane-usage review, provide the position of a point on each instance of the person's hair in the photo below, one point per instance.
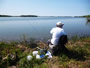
(59, 26)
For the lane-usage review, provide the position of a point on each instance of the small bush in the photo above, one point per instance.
(24, 63)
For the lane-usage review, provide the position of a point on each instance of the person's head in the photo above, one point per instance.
(59, 24)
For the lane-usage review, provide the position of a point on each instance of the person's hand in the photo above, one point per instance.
(51, 46)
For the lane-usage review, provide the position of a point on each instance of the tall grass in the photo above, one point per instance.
(12, 54)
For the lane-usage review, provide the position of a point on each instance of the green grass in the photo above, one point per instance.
(78, 56)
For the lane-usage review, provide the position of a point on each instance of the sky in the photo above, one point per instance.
(45, 7)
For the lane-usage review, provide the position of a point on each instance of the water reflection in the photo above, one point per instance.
(88, 22)
(39, 27)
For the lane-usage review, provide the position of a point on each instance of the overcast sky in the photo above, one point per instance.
(45, 7)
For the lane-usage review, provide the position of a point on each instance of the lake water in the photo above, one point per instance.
(13, 28)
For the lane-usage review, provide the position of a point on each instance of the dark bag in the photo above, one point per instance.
(60, 47)
(63, 39)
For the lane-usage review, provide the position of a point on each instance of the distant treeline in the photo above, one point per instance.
(28, 16)
(5, 16)
(86, 16)
(19, 16)
(37, 16)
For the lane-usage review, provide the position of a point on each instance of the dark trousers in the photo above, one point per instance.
(58, 49)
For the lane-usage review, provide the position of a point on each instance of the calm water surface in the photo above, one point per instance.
(13, 28)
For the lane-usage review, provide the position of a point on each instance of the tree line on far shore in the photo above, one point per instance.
(19, 16)
(34, 16)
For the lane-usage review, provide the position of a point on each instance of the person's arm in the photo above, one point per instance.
(52, 30)
(64, 32)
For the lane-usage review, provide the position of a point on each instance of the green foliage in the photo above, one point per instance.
(8, 48)
(63, 58)
(33, 43)
(75, 38)
(33, 63)
(78, 53)
(86, 16)
(29, 42)
(28, 16)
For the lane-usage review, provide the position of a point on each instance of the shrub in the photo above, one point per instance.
(24, 63)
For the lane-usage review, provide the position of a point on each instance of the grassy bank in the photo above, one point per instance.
(13, 54)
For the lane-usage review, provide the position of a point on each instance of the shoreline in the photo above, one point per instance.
(41, 39)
